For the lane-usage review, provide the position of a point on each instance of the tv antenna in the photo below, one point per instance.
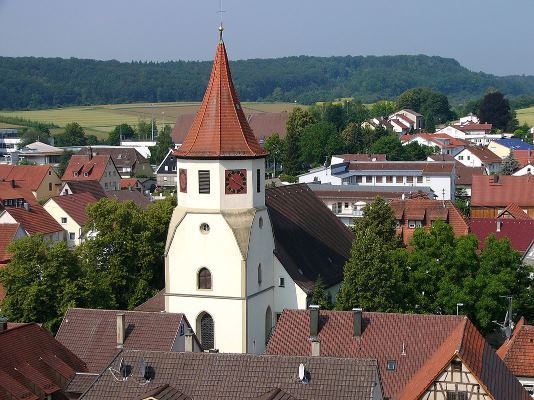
(508, 324)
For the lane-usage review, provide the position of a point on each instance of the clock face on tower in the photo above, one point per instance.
(235, 181)
(182, 177)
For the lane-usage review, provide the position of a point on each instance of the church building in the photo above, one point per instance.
(226, 267)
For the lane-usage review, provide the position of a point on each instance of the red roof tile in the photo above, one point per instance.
(27, 176)
(34, 361)
(361, 157)
(484, 154)
(127, 183)
(220, 129)
(35, 220)
(7, 234)
(474, 127)
(86, 168)
(524, 157)
(75, 205)
(519, 231)
(154, 304)
(499, 191)
(518, 351)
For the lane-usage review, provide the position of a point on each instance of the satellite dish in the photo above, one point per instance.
(122, 368)
(302, 372)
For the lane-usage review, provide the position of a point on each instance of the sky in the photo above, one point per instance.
(493, 36)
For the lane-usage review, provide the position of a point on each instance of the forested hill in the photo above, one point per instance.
(28, 82)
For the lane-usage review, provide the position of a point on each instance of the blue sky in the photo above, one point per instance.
(484, 35)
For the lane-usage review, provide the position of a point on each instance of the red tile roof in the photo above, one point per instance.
(127, 183)
(93, 187)
(513, 211)
(464, 174)
(220, 129)
(27, 176)
(129, 195)
(80, 165)
(524, 157)
(518, 351)
(92, 334)
(33, 362)
(75, 205)
(499, 191)
(35, 220)
(421, 345)
(519, 231)
(361, 157)
(484, 154)
(474, 127)
(7, 234)
(154, 304)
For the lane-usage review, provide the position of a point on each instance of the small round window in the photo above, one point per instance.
(204, 228)
(260, 222)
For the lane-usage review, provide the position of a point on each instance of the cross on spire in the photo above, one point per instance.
(221, 28)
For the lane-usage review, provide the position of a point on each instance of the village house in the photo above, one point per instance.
(522, 151)
(526, 170)
(34, 365)
(9, 141)
(38, 153)
(76, 187)
(341, 158)
(70, 212)
(478, 156)
(128, 161)
(517, 353)
(475, 134)
(422, 213)
(373, 123)
(129, 195)
(438, 176)
(166, 171)
(443, 142)
(492, 194)
(131, 184)
(99, 168)
(410, 119)
(419, 356)
(41, 180)
(519, 231)
(464, 174)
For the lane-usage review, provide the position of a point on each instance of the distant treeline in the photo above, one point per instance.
(30, 83)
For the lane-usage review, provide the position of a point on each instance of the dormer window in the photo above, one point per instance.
(75, 173)
(85, 174)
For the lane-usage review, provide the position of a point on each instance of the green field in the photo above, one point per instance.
(99, 120)
(526, 116)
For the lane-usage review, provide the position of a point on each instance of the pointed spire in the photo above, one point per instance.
(220, 128)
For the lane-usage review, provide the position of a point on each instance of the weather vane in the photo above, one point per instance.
(221, 28)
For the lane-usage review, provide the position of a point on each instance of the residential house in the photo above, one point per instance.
(413, 120)
(469, 119)
(166, 173)
(475, 129)
(99, 168)
(419, 356)
(142, 146)
(422, 213)
(464, 174)
(518, 354)
(97, 336)
(34, 365)
(75, 187)
(374, 123)
(128, 160)
(70, 212)
(492, 194)
(348, 201)
(188, 376)
(42, 180)
(445, 143)
(38, 153)
(476, 134)
(438, 176)
(9, 140)
(131, 184)
(478, 156)
(129, 195)
(522, 151)
(528, 169)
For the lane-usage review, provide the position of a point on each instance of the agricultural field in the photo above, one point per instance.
(100, 119)
(526, 115)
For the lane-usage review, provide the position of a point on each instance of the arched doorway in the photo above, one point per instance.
(206, 331)
(268, 324)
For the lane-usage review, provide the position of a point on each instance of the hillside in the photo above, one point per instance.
(30, 83)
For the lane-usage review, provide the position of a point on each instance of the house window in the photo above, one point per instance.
(391, 365)
(399, 179)
(346, 205)
(359, 179)
(389, 179)
(49, 172)
(460, 157)
(258, 180)
(204, 181)
(63, 220)
(409, 179)
(72, 235)
(260, 222)
(419, 179)
(182, 330)
(412, 224)
(205, 328)
(105, 185)
(204, 279)
(456, 366)
(204, 228)
(281, 282)
(457, 395)
(379, 179)
(166, 167)
(369, 179)
(259, 275)
(75, 173)
(49, 186)
(468, 157)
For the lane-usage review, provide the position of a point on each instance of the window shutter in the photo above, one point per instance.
(204, 181)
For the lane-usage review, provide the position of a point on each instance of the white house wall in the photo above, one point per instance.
(71, 226)
(322, 175)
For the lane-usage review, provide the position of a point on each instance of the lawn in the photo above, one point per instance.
(100, 119)
(526, 115)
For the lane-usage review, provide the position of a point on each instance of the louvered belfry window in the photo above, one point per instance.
(204, 181)
(207, 335)
(204, 279)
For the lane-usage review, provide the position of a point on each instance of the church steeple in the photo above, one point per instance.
(220, 129)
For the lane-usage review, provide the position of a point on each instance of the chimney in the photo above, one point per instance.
(26, 206)
(188, 340)
(13, 183)
(499, 225)
(314, 321)
(3, 324)
(121, 329)
(357, 322)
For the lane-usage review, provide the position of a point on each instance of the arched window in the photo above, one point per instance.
(259, 274)
(268, 324)
(206, 331)
(204, 279)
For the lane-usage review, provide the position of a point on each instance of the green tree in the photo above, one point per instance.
(123, 131)
(143, 131)
(433, 105)
(352, 138)
(319, 295)
(32, 135)
(163, 144)
(495, 109)
(319, 141)
(383, 108)
(73, 135)
(509, 164)
(389, 145)
(275, 146)
(298, 120)
(292, 165)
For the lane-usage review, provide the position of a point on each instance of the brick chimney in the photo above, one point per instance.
(188, 339)
(121, 329)
(358, 322)
(314, 331)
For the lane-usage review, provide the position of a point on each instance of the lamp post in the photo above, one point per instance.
(458, 305)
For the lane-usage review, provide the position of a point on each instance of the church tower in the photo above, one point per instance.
(219, 259)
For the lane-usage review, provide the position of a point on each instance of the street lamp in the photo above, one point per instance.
(458, 305)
